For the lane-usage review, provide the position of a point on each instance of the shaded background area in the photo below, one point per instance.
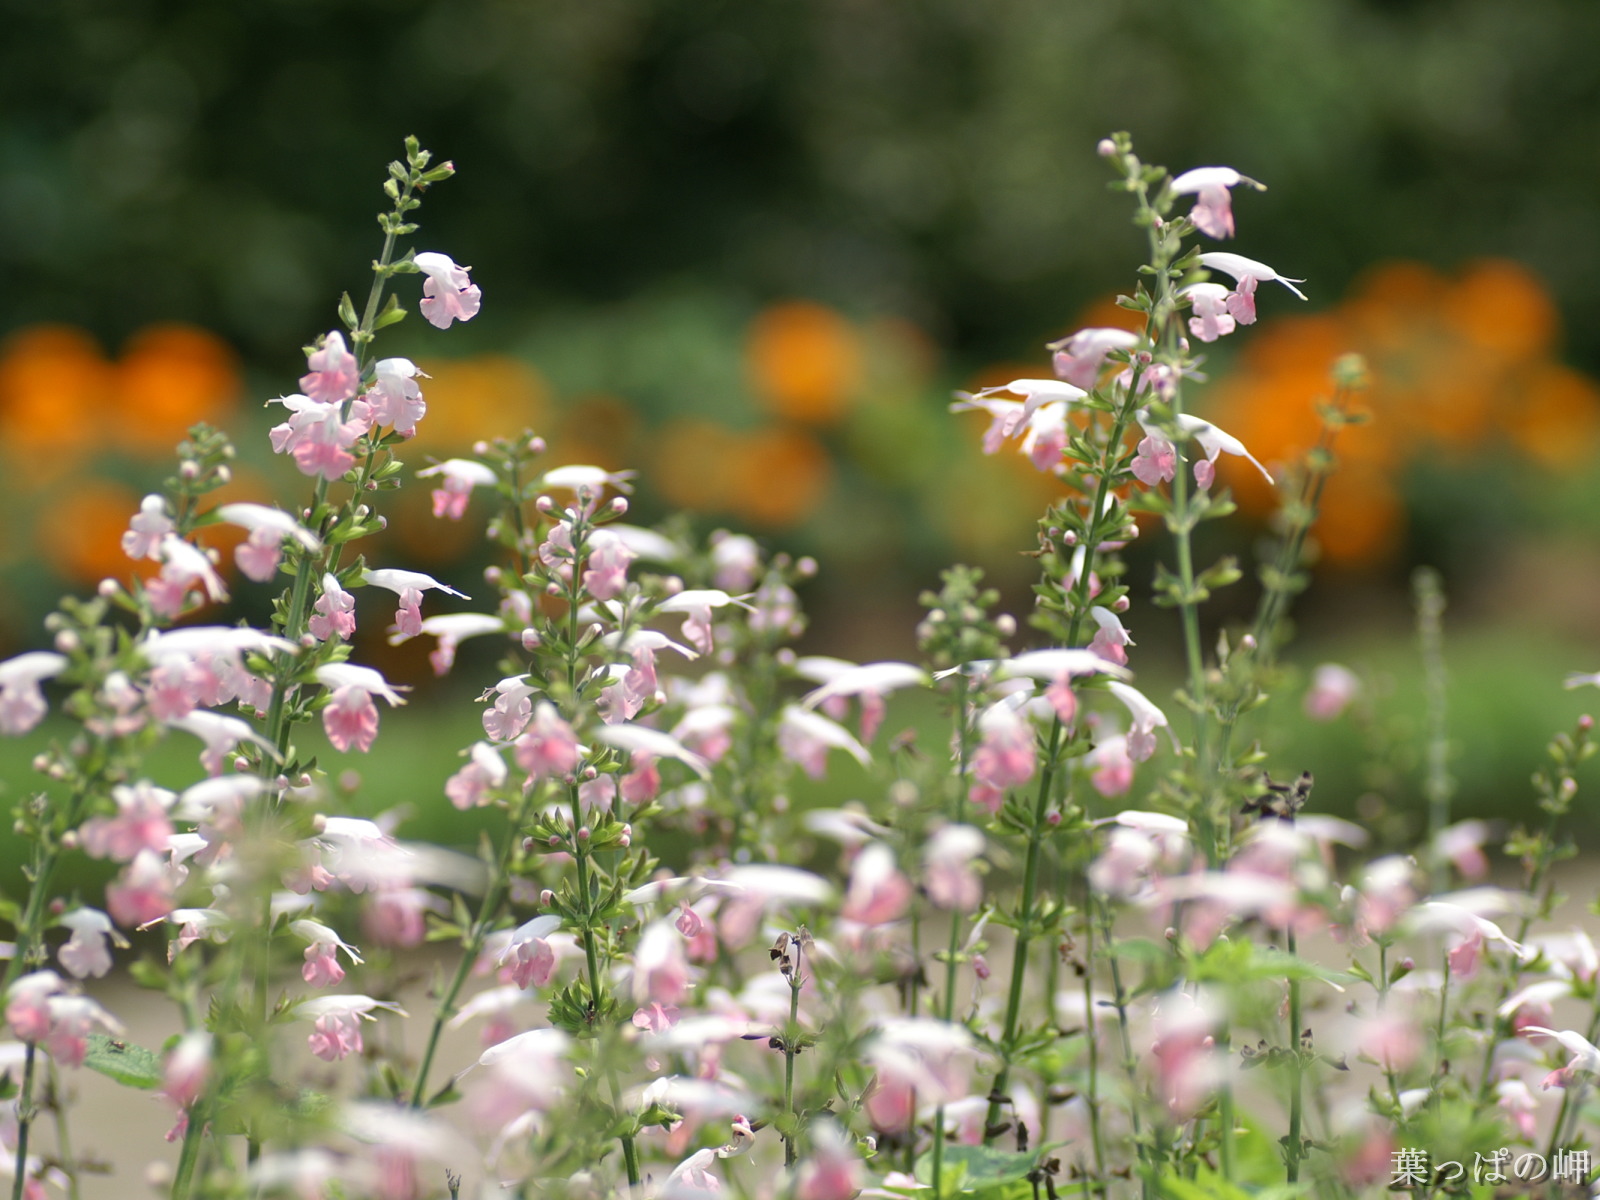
(750, 248)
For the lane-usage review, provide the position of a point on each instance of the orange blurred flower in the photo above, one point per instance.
(804, 361)
(1461, 365)
(493, 395)
(171, 377)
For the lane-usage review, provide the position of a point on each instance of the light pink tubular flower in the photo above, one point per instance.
(147, 529)
(878, 892)
(1010, 416)
(1214, 441)
(548, 748)
(528, 1071)
(833, 1170)
(1211, 319)
(607, 571)
(1147, 718)
(142, 892)
(869, 682)
(470, 786)
(22, 703)
(696, 604)
(1080, 358)
(394, 398)
(454, 628)
(258, 555)
(28, 1005)
(1332, 689)
(335, 372)
(337, 1023)
(1111, 766)
(1585, 1058)
(528, 957)
(447, 294)
(915, 1059)
(183, 567)
(805, 738)
(1111, 638)
(1247, 272)
(318, 436)
(334, 613)
(458, 477)
(1213, 210)
(350, 718)
(88, 951)
(947, 867)
(661, 971)
(1155, 459)
(322, 967)
(1187, 1064)
(71, 1020)
(1004, 758)
(409, 586)
(187, 1066)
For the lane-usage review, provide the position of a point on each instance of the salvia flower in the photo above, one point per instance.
(1247, 273)
(22, 703)
(350, 717)
(258, 555)
(1213, 211)
(147, 529)
(458, 477)
(1147, 718)
(88, 951)
(337, 1022)
(409, 586)
(448, 294)
(1214, 442)
(322, 967)
(1080, 358)
(394, 398)
(1332, 689)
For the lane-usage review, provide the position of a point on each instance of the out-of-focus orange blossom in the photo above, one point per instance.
(473, 399)
(1460, 366)
(804, 362)
(772, 477)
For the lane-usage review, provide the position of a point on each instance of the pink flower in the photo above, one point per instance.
(661, 971)
(350, 718)
(735, 561)
(1214, 441)
(1585, 1057)
(28, 1005)
(696, 605)
(334, 612)
(1187, 1065)
(258, 556)
(1141, 739)
(88, 951)
(337, 1023)
(1005, 756)
(150, 525)
(1213, 210)
(460, 476)
(447, 294)
(335, 374)
(322, 967)
(1520, 1106)
(607, 572)
(833, 1172)
(22, 703)
(1111, 637)
(409, 586)
(187, 1066)
(394, 916)
(1113, 768)
(878, 892)
(470, 786)
(528, 958)
(1332, 689)
(71, 1018)
(394, 398)
(142, 893)
(806, 737)
(1010, 420)
(1248, 273)
(1080, 358)
(947, 870)
(183, 567)
(1156, 459)
(547, 748)
(1211, 318)
(318, 435)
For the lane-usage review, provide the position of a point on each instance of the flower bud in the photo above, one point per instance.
(70, 840)
(1247, 642)
(189, 469)
(1005, 625)
(619, 505)
(241, 763)
(66, 641)
(530, 639)
(1121, 605)
(583, 834)
(544, 504)
(1586, 723)
(1069, 538)
(1105, 148)
(536, 445)
(553, 840)
(547, 898)
(109, 588)
(806, 567)
(224, 475)
(492, 576)
(480, 448)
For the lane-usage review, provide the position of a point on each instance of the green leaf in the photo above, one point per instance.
(983, 1167)
(391, 313)
(130, 1065)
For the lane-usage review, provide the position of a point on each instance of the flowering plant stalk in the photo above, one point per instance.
(998, 974)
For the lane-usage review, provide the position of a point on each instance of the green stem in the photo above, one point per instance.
(1294, 1149)
(790, 1034)
(1129, 1063)
(957, 813)
(25, 1114)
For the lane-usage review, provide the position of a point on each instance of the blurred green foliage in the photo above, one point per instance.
(208, 161)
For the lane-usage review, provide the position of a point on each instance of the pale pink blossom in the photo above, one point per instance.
(1111, 766)
(186, 1069)
(1214, 441)
(1332, 689)
(28, 1005)
(915, 1056)
(587, 483)
(72, 1018)
(322, 967)
(194, 924)
(258, 556)
(1213, 210)
(1155, 459)
(88, 951)
(142, 892)
(183, 567)
(696, 604)
(1111, 637)
(528, 958)
(805, 738)
(1147, 718)
(409, 586)
(350, 718)
(394, 917)
(334, 613)
(337, 1022)
(148, 528)
(607, 571)
(528, 1071)
(1188, 1067)
(448, 294)
(318, 435)
(833, 1169)
(1462, 844)
(221, 734)
(1209, 302)
(459, 476)
(454, 628)
(22, 703)
(394, 398)
(547, 748)
(1519, 1105)
(335, 372)
(735, 561)
(947, 867)
(1585, 1058)
(661, 971)
(1241, 302)
(470, 786)
(1011, 417)
(1386, 894)
(1004, 758)
(878, 893)
(1080, 358)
